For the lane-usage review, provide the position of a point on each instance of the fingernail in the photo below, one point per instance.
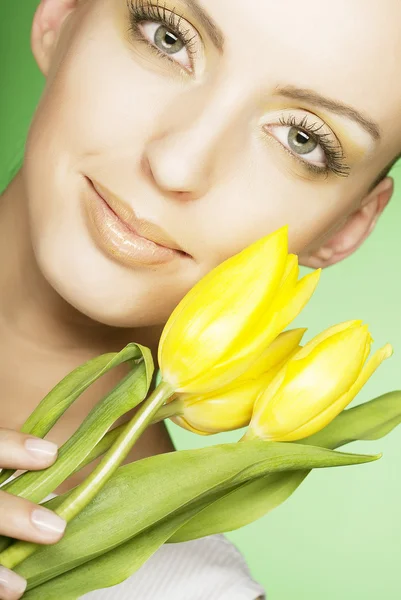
(11, 581)
(40, 448)
(47, 521)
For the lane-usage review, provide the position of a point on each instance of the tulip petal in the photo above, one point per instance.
(272, 247)
(224, 411)
(181, 422)
(293, 301)
(262, 335)
(279, 350)
(290, 275)
(211, 319)
(326, 334)
(286, 307)
(229, 407)
(310, 384)
(323, 419)
(267, 328)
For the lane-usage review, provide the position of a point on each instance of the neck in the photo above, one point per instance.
(46, 335)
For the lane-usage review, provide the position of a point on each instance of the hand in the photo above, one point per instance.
(19, 518)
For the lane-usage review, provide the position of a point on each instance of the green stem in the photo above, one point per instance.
(88, 489)
(171, 409)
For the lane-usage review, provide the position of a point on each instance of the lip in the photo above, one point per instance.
(122, 235)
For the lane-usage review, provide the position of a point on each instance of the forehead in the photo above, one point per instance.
(347, 49)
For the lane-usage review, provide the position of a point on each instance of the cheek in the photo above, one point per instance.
(263, 194)
(95, 115)
(101, 101)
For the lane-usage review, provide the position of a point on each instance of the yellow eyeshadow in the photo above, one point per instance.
(353, 151)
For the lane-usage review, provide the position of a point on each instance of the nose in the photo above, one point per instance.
(199, 139)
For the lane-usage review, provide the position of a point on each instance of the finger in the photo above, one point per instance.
(24, 520)
(21, 451)
(12, 586)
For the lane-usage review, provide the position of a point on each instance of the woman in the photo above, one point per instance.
(170, 135)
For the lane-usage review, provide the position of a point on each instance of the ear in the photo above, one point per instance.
(46, 28)
(356, 228)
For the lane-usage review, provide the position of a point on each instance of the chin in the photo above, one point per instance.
(103, 296)
(112, 307)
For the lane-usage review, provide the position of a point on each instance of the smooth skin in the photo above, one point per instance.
(255, 115)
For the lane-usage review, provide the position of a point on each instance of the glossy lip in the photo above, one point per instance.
(122, 235)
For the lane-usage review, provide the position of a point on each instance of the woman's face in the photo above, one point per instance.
(171, 135)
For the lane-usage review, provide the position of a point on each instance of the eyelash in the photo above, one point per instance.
(142, 11)
(332, 150)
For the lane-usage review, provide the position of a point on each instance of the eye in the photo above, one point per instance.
(167, 42)
(166, 33)
(300, 142)
(309, 140)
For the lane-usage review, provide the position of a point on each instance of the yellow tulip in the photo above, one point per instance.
(231, 407)
(316, 384)
(229, 317)
(279, 351)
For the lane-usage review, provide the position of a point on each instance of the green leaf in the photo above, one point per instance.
(60, 398)
(36, 485)
(369, 421)
(114, 566)
(148, 491)
(252, 500)
(240, 506)
(53, 406)
(133, 492)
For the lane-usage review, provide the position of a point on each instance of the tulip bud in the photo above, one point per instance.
(316, 384)
(229, 317)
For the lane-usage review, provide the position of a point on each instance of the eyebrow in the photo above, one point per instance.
(211, 27)
(332, 105)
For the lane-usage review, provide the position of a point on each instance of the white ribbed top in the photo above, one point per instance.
(210, 568)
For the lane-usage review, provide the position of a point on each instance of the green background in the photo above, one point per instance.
(339, 535)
